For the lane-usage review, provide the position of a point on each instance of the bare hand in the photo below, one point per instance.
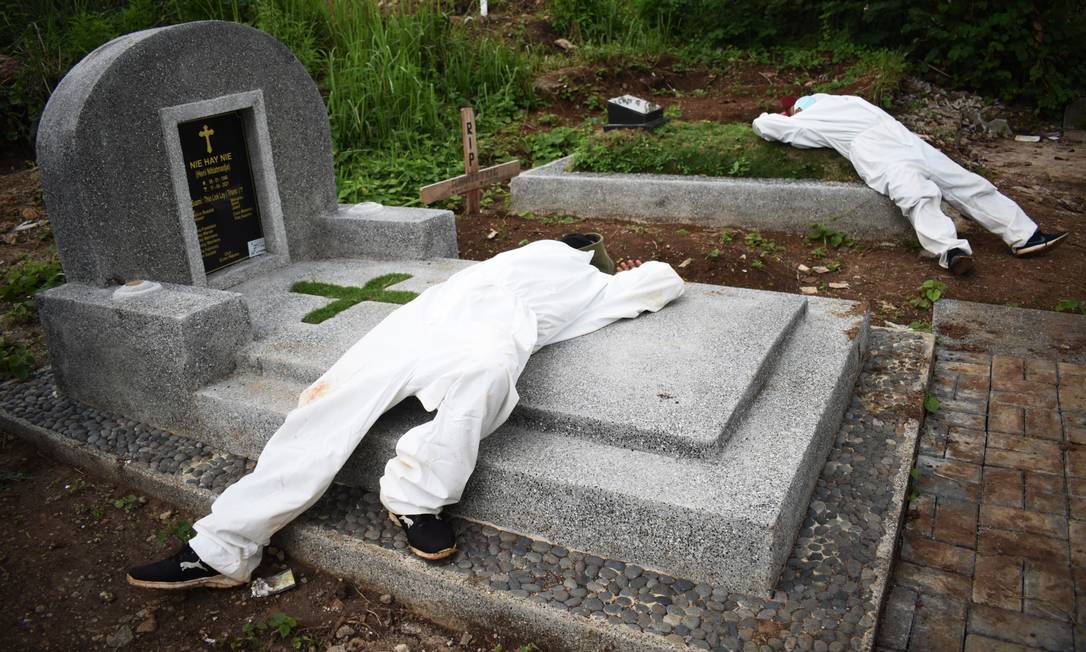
(629, 264)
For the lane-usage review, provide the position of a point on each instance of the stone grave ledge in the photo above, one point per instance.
(770, 204)
(829, 593)
(677, 381)
(741, 495)
(371, 230)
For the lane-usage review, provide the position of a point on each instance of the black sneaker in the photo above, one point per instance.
(182, 571)
(1039, 243)
(958, 262)
(428, 535)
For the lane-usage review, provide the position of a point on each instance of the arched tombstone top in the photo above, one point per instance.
(121, 187)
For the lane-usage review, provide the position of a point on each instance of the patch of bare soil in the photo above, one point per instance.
(885, 274)
(68, 538)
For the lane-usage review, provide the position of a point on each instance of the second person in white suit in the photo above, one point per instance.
(896, 162)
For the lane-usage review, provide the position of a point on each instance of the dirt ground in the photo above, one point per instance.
(67, 541)
(1048, 179)
(69, 536)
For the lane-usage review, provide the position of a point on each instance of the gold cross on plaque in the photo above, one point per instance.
(207, 134)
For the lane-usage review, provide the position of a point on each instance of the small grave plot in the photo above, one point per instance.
(709, 149)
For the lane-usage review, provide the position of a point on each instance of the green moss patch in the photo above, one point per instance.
(347, 296)
(706, 148)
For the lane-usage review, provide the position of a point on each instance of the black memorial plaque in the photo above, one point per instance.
(222, 190)
(629, 112)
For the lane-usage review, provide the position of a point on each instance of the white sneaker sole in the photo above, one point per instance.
(213, 582)
(1025, 252)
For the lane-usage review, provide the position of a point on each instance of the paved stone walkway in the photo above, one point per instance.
(993, 555)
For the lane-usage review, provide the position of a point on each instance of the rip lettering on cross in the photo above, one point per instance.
(346, 295)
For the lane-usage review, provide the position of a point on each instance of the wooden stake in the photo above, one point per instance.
(471, 157)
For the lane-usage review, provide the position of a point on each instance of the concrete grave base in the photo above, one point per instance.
(696, 458)
(770, 204)
(142, 355)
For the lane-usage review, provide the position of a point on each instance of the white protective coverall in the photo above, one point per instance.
(459, 347)
(897, 163)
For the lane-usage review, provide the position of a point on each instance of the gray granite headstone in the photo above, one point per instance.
(1074, 116)
(128, 199)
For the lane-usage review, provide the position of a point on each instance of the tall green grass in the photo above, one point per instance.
(393, 77)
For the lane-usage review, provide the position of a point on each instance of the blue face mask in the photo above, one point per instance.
(804, 102)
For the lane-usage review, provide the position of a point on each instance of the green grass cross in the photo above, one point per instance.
(346, 296)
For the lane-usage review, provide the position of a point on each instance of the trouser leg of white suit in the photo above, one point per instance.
(434, 460)
(295, 468)
(918, 198)
(976, 197)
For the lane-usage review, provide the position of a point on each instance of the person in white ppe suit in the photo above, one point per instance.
(459, 347)
(896, 162)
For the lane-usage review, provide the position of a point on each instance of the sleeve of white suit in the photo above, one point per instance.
(785, 129)
(649, 287)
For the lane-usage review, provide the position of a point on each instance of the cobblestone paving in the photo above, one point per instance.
(827, 595)
(993, 555)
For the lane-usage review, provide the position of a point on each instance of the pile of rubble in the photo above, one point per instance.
(950, 119)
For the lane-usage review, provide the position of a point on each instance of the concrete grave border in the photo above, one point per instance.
(770, 204)
(250, 105)
(859, 520)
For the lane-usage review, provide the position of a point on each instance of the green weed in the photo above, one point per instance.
(1071, 305)
(181, 531)
(727, 236)
(559, 219)
(765, 246)
(280, 625)
(75, 487)
(928, 293)
(931, 403)
(128, 503)
(920, 326)
(829, 237)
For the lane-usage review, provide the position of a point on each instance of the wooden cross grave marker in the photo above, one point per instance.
(469, 183)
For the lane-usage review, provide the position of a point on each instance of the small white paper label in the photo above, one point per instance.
(635, 104)
(256, 247)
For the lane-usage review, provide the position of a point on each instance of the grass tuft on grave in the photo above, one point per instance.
(347, 296)
(706, 148)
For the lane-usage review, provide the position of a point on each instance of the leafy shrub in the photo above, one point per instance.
(1015, 49)
(706, 148)
(547, 146)
(16, 361)
(26, 279)
(734, 22)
